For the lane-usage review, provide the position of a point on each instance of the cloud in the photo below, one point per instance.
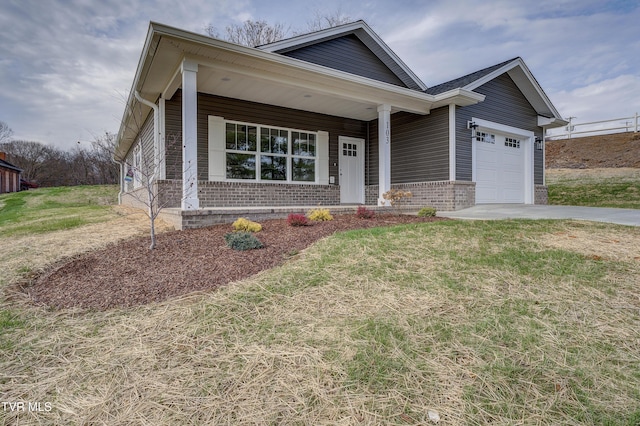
(602, 100)
(65, 66)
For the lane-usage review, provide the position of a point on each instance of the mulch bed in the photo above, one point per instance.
(129, 274)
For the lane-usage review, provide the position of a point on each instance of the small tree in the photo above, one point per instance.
(145, 166)
(143, 172)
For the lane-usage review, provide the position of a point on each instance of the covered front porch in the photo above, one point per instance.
(210, 78)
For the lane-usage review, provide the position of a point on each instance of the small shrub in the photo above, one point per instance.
(319, 215)
(243, 224)
(297, 220)
(395, 196)
(427, 212)
(242, 241)
(365, 213)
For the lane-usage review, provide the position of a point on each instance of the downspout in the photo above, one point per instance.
(156, 118)
(120, 179)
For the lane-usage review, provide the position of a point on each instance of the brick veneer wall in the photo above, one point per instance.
(541, 195)
(443, 195)
(243, 194)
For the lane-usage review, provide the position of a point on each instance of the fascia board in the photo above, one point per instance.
(508, 67)
(460, 97)
(151, 42)
(156, 31)
(551, 123)
(538, 89)
(293, 63)
(303, 39)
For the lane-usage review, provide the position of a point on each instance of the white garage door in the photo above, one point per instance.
(500, 168)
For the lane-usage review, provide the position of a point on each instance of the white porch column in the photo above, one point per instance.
(452, 142)
(162, 146)
(384, 152)
(190, 199)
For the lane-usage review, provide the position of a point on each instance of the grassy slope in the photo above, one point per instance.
(494, 322)
(51, 209)
(594, 187)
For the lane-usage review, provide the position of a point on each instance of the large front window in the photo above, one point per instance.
(269, 153)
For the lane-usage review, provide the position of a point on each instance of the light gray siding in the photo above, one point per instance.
(144, 139)
(349, 54)
(419, 148)
(504, 104)
(251, 112)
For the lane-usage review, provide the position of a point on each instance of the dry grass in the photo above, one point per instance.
(622, 174)
(360, 330)
(23, 254)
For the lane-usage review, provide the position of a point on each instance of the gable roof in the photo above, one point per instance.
(466, 80)
(10, 166)
(521, 76)
(365, 34)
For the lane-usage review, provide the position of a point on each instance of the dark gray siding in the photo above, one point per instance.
(233, 109)
(419, 147)
(347, 54)
(504, 104)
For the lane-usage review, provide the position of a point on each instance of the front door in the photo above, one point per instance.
(351, 170)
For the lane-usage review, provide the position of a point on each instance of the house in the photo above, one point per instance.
(330, 118)
(9, 175)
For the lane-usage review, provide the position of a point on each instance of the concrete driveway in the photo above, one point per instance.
(527, 211)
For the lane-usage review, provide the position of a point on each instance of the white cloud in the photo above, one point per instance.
(607, 99)
(65, 64)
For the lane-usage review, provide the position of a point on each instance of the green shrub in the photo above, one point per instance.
(319, 215)
(242, 241)
(427, 212)
(243, 224)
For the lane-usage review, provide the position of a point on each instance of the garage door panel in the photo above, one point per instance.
(499, 171)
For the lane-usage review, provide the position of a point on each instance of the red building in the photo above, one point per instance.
(9, 175)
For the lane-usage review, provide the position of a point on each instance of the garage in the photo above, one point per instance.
(502, 167)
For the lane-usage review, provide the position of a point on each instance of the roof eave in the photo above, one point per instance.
(459, 97)
(519, 63)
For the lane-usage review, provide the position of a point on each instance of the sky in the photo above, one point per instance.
(66, 66)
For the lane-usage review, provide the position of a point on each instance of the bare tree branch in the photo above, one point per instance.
(5, 132)
(255, 33)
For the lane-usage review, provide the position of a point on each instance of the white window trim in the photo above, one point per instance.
(137, 166)
(258, 152)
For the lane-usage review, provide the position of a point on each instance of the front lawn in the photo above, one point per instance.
(506, 322)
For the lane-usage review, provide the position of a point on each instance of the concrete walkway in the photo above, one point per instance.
(527, 211)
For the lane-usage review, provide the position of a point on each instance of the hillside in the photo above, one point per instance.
(602, 151)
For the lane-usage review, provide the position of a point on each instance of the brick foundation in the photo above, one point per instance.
(541, 195)
(223, 202)
(443, 195)
(243, 194)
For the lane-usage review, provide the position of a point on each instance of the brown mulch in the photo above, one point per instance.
(129, 274)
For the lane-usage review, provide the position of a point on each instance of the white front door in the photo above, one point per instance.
(351, 170)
